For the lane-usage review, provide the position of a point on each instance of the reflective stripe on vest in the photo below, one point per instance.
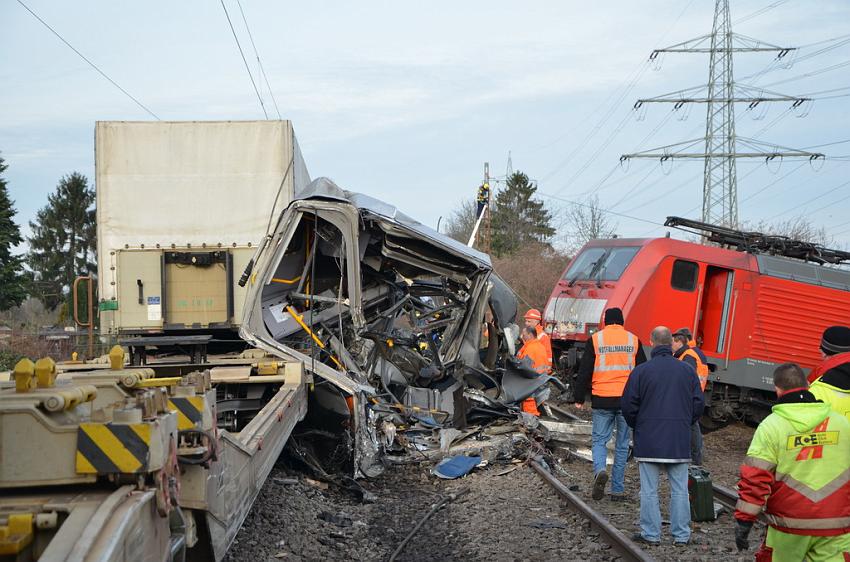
(838, 399)
(615, 350)
(702, 368)
(811, 473)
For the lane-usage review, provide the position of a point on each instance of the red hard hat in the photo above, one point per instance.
(533, 314)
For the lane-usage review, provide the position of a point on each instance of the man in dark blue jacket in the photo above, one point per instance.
(661, 401)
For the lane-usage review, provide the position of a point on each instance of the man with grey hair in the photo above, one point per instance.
(661, 401)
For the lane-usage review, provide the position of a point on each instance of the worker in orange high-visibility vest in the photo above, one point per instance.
(608, 359)
(683, 351)
(533, 350)
(534, 319)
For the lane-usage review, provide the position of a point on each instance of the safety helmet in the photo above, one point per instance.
(533, 314)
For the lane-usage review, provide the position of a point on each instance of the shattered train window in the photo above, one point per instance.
(309, 285)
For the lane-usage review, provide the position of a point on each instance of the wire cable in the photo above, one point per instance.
(248, 68)
(812, 200)
(580, 204)
(808, 74)
(259, 62)
(618, 99)
(759, 12)
(90, 63)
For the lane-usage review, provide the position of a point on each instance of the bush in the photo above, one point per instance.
(532, 274)
(8, 358)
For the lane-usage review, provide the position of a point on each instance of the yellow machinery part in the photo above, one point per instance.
(162, 381)
(45, 372)
(24, 375)
(116, 358)
(17, 534)
(267, 367)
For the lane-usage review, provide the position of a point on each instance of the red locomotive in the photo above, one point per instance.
(753, 301)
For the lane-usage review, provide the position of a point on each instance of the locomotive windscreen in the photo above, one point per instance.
(601, 264)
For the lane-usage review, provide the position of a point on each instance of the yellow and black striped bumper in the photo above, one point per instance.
(190, 411)
(109, 448)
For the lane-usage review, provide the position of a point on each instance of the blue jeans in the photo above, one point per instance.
(680, 509)
(604, 421)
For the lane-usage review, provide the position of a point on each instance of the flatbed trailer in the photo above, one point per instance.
(119, 464)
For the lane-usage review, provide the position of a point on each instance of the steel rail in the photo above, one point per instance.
(619, 542)
(729, 498)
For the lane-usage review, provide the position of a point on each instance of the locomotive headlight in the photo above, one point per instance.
(591, 329)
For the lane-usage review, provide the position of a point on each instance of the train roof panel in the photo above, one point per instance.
(805, 272)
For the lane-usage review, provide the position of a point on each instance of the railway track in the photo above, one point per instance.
(620, 543)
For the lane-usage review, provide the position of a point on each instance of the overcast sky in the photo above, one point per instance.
(406, 101)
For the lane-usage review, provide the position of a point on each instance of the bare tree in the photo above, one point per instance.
(796, 228)
(30, 314)
(461, 222)
(583, 222)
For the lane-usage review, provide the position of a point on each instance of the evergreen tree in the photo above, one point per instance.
(63, 241)
(518, 218)
(12, 280)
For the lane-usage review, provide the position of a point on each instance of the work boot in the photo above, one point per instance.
(599, 482)
(640, 539)
(618, 497)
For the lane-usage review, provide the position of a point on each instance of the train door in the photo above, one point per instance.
(713, 324)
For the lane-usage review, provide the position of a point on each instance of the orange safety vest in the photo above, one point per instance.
(534, 350)
(702, 368)
(616, 351)
(546, 341)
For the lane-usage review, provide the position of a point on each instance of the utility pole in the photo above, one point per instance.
(720, 184)
(480, 237)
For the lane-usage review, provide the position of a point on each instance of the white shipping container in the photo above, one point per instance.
(185, 187)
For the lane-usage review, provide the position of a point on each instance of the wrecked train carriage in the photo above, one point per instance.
(386, 311)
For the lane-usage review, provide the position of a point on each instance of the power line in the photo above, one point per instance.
(257, 54)
(90, 63)
(771, 184)
(629, 85)
(239, 46)
(812, 200)
(759, 12)
(571, 201)
(808, 74)
(777, 63)
(829, 144)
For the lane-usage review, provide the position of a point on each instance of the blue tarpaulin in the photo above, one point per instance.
(455, 467)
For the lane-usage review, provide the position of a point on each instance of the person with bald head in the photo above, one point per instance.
(661, 401)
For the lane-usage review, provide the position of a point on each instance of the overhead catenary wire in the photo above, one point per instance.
(259, 62)
(89, 62)
(244, 60)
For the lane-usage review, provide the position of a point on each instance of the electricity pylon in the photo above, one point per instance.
(720, 184)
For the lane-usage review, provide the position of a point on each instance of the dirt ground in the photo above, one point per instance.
(502, 516)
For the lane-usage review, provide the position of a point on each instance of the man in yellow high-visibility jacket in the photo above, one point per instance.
(797, 471)
(833, 383)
